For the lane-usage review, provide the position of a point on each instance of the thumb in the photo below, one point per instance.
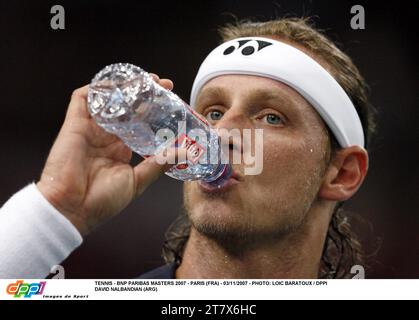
(151, 168)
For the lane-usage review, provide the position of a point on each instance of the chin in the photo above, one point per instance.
(224, 208)
(214, 209)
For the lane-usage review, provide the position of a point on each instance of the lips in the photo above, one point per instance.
(224, 187)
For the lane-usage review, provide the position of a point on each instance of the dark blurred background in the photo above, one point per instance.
(40, 67)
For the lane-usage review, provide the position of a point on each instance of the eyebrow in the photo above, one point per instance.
(211, 92)
(253, 94)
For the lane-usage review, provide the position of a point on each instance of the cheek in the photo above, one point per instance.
(283, 158)
(289, 181)
(289, 164)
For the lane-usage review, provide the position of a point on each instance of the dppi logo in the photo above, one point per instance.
(247, 50)
(27, 290)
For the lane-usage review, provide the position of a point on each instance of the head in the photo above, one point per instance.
(306, 175)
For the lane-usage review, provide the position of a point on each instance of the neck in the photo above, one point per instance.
(295, 255)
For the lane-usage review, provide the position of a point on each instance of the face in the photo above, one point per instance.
(295, 153)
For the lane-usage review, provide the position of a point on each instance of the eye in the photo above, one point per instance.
(273, 119)
(214, 115)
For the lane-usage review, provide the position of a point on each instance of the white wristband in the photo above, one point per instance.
(34, 236)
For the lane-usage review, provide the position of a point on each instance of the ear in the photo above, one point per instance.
(345, 174)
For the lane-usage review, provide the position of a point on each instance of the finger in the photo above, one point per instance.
(152, 167)
(146, 173)
(155, 77)
(166, 83)
(78, 103)
(118, 151)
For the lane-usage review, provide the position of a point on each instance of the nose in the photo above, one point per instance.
(230, 129)
(232, 119)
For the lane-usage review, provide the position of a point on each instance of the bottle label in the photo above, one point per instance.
(193, 149)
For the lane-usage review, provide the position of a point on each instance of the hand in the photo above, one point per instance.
(87, 176)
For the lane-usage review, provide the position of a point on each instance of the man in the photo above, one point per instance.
(273, 225)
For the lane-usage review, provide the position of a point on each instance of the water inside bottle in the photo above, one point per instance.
(125, 100)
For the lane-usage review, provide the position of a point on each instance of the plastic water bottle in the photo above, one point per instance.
(126, 101)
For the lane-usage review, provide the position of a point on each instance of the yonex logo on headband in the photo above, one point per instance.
(279, 61)
(247, 50)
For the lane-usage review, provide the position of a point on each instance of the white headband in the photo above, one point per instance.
(279, 61)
